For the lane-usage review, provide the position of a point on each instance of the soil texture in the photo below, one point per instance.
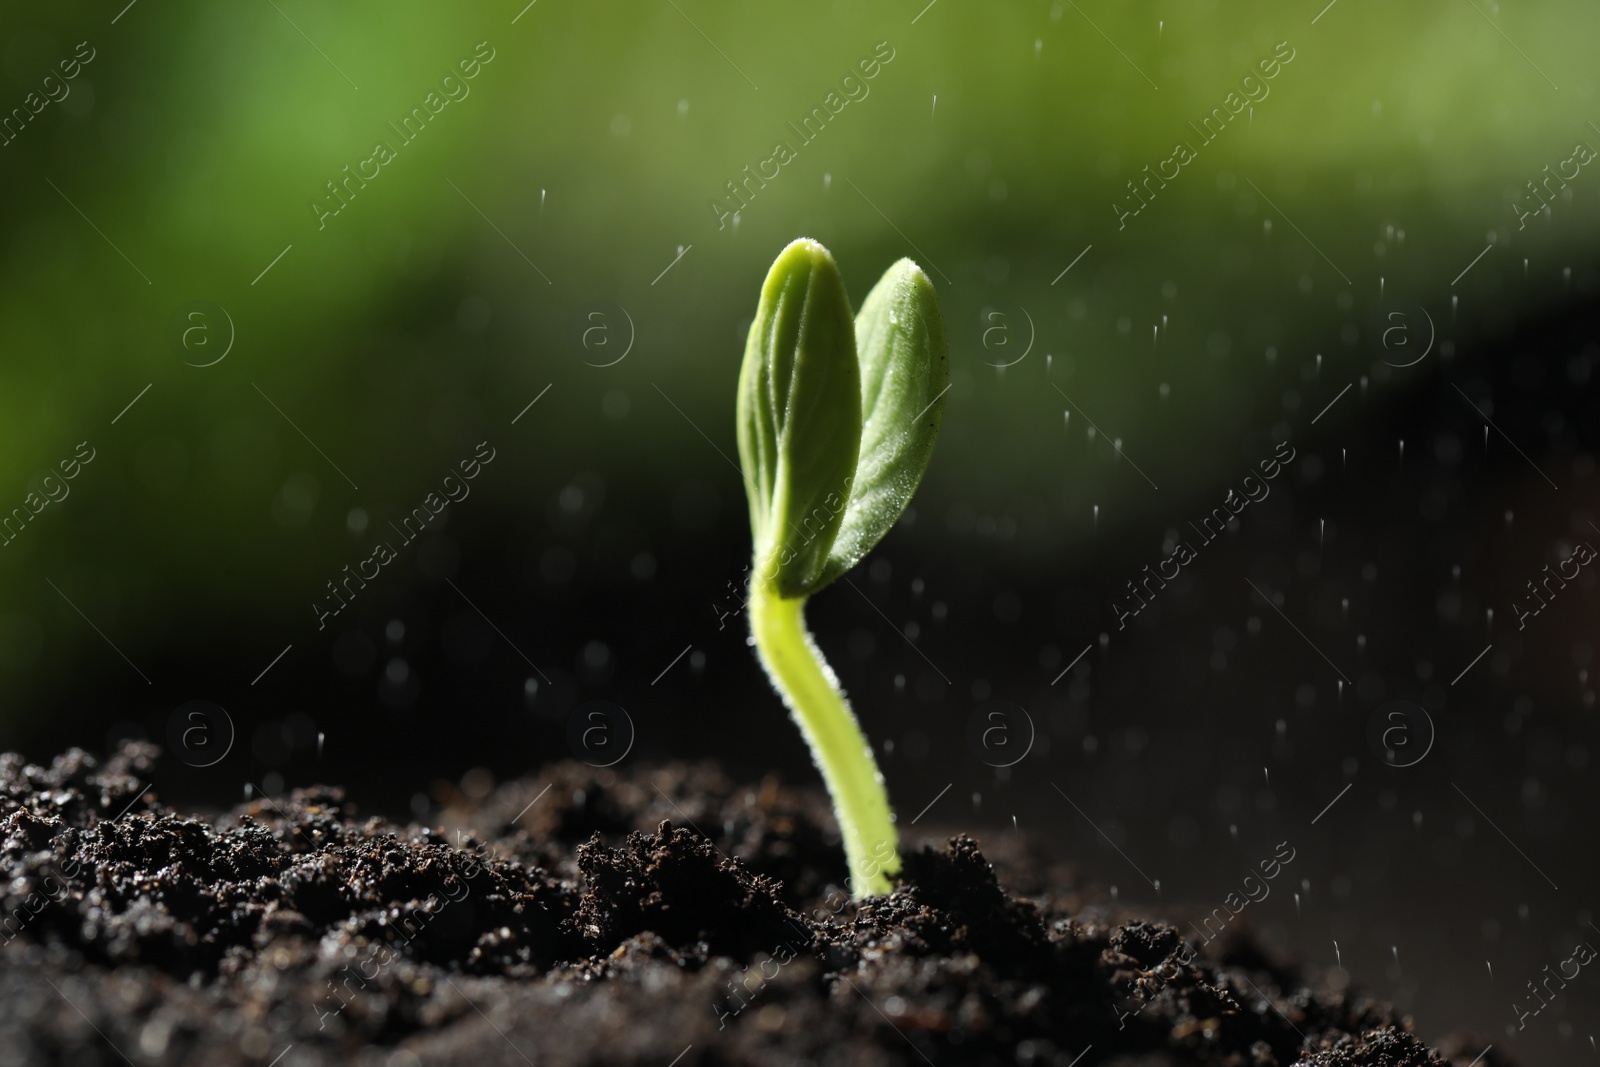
(654, 916)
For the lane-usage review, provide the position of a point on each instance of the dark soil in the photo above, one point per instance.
(585, 917)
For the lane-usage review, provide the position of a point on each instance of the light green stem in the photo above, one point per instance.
(811, 690)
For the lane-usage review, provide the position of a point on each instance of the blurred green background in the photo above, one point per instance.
(185, 157)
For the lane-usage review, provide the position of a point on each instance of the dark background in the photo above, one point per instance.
(594, 564)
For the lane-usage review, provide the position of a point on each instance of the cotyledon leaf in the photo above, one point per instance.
(905, 371)
(799, 416)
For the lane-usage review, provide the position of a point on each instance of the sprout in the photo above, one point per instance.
(837, 420)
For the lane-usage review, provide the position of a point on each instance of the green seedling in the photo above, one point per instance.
(837, 420)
